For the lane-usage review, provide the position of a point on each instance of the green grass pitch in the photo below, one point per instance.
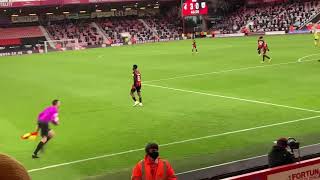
(97, 117)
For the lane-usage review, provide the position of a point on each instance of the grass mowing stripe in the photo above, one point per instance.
(172, 143)
(300, 60)
(233, 98)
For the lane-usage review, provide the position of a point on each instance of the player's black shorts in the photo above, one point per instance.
(44, 128)
(136, 88)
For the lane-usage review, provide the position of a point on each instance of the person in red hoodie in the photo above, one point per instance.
(152, 167)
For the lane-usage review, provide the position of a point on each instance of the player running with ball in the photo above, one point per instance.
(50, 114)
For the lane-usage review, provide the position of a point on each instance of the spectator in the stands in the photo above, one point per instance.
(279, 155)
(273, 17)
(83, 31)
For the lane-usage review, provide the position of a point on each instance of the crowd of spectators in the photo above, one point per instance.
(146, 29)
(86, 34)
(116, 30)
(164, 28)
(115, 27)
(277, 17)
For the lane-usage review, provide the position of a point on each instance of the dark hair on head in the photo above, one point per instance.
(282, 142)
(135, 66)
(261, 37)
(151, 146)
(55, 102)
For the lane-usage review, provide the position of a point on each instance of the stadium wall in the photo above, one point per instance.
(304, 170)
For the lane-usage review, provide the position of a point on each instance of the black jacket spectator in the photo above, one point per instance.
(279, 155)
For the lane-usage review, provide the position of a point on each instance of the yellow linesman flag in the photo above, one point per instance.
(30, 136)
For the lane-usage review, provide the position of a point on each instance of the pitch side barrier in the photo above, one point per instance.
(21, 52)
(257, 167)
(304, 170)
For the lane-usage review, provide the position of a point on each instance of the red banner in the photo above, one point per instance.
(7, 42)
(194, 8)
(304, 170)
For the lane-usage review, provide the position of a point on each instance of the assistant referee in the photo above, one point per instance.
(49, 114)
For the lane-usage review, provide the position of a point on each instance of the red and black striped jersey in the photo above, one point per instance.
(136, 78)
(260, 44)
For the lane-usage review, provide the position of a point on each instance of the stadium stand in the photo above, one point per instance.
(86, 34)
(151, 28)
(165, 29)
(269, 18)
(22, 38)
(115, 26)
(23, 33)
(20, 32)
(140, 29)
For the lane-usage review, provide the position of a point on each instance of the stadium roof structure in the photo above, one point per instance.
(7, 4)
(60, 7)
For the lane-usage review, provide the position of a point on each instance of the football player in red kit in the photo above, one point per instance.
(136, 86)
(263, 49)
(260, 44)
(194, 47)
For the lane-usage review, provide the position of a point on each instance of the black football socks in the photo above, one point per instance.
(40, 145)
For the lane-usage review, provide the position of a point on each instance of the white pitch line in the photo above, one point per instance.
(234, 98)
(84, 160)
(172, 143)
(300, 60)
